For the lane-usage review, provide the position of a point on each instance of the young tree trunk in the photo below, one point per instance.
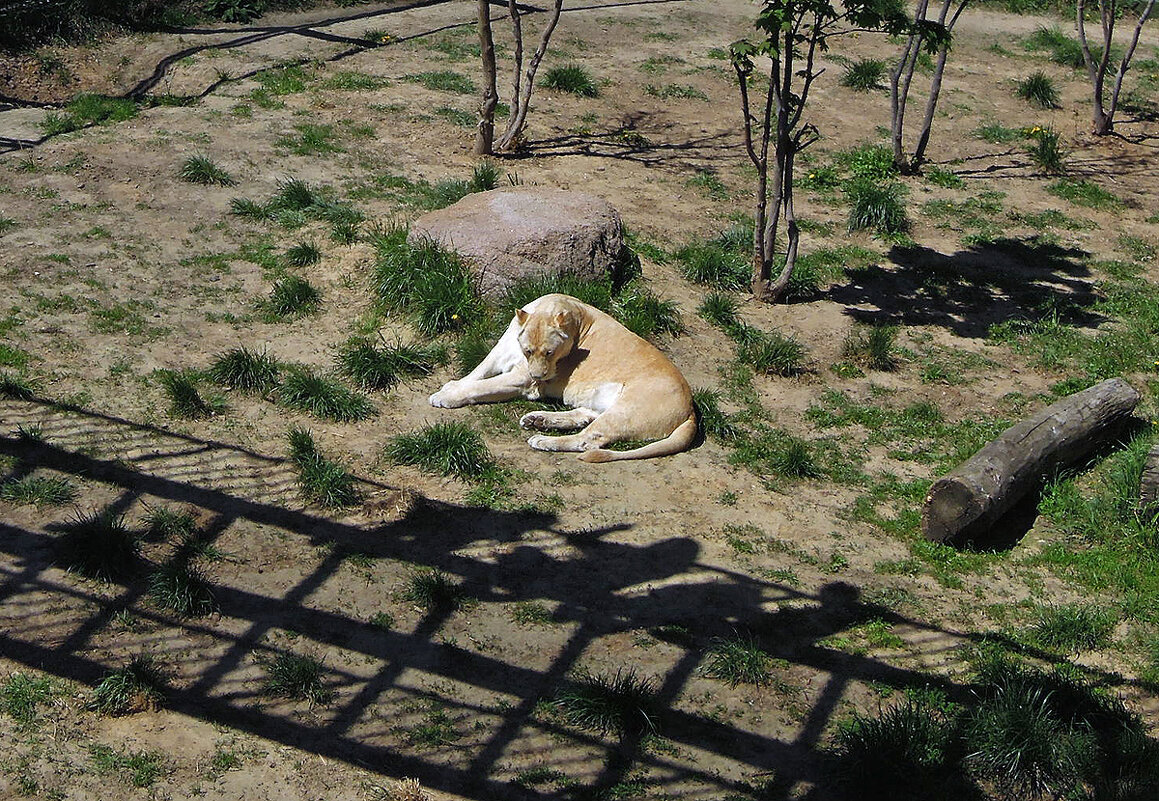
(1103, 113)
(902, 76)
(485, 128)
(521, 101)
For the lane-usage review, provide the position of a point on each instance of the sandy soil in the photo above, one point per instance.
(113, 268)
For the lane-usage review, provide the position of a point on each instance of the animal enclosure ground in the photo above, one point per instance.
(446, 618)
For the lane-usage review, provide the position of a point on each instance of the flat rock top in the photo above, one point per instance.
(518, 209)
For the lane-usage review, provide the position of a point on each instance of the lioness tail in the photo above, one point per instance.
(679, 440)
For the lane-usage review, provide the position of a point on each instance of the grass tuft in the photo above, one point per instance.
(202, 170)
(451, 449)
(305, 391)
(907, 751)
(291, 297)
(180, 588)
(382, 367)
(864, 75)
(297, 677)
(876, 205)
(323, 481)
(571, 78)
(1072, 628)
(624, 702)
(136, 687)
(303, 254)
(874, 346)
(98, 545)
(738, 660)
(1038, 90)
(433, 591)
(185, 400)
(770, 352)
(38, 490)
(21, 694)
(430, 282)
(245, 370)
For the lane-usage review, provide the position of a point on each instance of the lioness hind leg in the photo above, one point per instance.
(585, 440)
(558, 421)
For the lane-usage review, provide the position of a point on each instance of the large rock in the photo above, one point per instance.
(508, 234)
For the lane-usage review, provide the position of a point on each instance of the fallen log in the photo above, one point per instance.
(967, 501)
(1149, 484)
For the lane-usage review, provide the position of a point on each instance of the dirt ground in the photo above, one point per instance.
(113, 268)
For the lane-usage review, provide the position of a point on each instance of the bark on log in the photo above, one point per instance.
(1149, 485)
(965, 503)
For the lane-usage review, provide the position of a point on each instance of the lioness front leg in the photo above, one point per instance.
(583, 441)
(558, 421)
(466, 391)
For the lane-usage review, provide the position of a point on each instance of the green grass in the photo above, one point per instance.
(1085, 193)
(873, 346)
(348, 81)
(997, 134)
(202, 170)
(864, 75)
(876, 205)
(675, 90)
(444, 81)
(310, 139)
(303, 254)
(1072, 628)
(738, 660)
(532, 613)
(164, 523)
(723, 263)
(644, 314)
(323, 481)
(710, 184)
(720, 309)
(624, 702)
(297, 677)
(906, 751)
(38, 490)
(291, 297)
(98, 545)
(381, 367)
(449, 449)
(246, 370)
(185, 401)
(141, 768)
(571, 78)
(88, 109)
(21, 694)
(1046, 153)
(16, 387)
(1063, 49)
(714, 422)
(286, 80)
(305, 391)
(770, 352)
(433, 591)
(431, 283)
(138, 686)
(1038, 90)
(180, 588)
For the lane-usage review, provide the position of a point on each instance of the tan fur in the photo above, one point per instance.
(620, 385)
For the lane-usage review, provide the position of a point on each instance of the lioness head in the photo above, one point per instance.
(546, 337)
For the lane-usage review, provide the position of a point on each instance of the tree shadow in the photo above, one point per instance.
(970, 291)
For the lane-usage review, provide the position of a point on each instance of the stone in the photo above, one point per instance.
(528, 232)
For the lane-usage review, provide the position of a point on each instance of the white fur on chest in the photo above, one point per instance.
(597, 397)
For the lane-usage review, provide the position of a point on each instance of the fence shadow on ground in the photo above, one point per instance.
(596, 587)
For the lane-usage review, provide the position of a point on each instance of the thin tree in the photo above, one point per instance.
(522, 80)
(901, 77)
(794, 33)
(1103, 121)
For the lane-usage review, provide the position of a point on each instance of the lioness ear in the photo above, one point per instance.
(521, 316)
(561, 319)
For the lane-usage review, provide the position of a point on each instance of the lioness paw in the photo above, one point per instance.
(541, 443)
(445, 398)
(532, 420)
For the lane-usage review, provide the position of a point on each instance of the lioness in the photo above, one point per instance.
(620, 386)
